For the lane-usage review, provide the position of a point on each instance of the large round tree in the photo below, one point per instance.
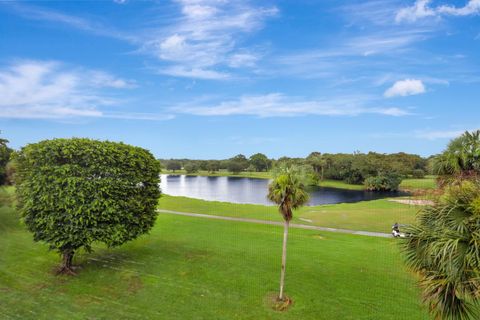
(75, 192)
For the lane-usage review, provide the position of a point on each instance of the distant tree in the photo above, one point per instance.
(288, 191)
(174, 165)
(202, 165)
(241, 159)
(461, 159)
(383, 182)
(318, 163)
(5, 153)
(10, 170)
(213, 166)
(191, 167)
(418, 174)
(235, 167)
(76, 192)
(443, 247)
(260, 162)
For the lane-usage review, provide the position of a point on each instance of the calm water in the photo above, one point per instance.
(248, 190)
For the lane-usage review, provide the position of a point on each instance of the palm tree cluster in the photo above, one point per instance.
(444, 248)
(288, 191)
(460, 160)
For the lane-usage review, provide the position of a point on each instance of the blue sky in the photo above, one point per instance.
(214, 78)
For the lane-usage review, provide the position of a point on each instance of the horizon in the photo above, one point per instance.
(209, 79)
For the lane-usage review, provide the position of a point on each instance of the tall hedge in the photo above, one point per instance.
(74, 192)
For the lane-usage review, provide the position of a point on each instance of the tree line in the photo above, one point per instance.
(377, 171)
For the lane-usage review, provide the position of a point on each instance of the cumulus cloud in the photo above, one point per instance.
(407, 87)
(51, 90)
(422, 9)
(279, 105)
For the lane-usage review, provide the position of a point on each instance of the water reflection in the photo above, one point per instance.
(254, 191)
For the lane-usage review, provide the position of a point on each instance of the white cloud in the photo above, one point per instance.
(197, 73)
(471, 8)
(421, 9)
(206, 36)
(405, 87)
(239, 60)
(279, 105)
(94, 27)
(435, 135)
(51, 90)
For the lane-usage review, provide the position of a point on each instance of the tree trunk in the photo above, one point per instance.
(67, 259)
(284, 260)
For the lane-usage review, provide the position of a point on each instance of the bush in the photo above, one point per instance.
(418, 174)
(174, 165)
(10, 171)
(74, 192)
(443, 249)
(191, 167)
(383, 182)
(234, 167)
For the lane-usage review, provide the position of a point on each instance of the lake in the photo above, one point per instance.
(254, 191)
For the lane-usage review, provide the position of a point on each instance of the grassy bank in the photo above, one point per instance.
(377, 215)
(427, 183)
(192, 268)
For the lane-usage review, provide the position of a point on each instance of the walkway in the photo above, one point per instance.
(276, 223)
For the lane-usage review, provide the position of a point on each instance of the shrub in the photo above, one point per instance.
(383, 182)
(443, 249)
(234, 166)
(418, 174)
(191, 167)
(74, 192)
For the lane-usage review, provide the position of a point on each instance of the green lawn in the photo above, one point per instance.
(377, 215)
(193, 268)
(429, 182)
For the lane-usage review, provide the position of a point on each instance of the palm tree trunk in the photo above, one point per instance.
(284, 260)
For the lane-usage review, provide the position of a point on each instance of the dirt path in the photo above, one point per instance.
(276, 223)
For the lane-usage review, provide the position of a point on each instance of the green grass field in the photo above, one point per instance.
(193, 268)
(377, 215)
(427, 183)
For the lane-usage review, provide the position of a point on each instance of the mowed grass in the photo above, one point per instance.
(427, 183)
(194, 268)
(377, 215)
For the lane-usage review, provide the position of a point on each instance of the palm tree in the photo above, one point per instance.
(461, 159)
(287, 190)
(444, 248)
(318, 163)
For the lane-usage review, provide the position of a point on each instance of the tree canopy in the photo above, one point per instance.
(461, 158)
(74, 192)
(260, 162)
(5, 153)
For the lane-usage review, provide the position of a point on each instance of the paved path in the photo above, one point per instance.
(276, 223)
